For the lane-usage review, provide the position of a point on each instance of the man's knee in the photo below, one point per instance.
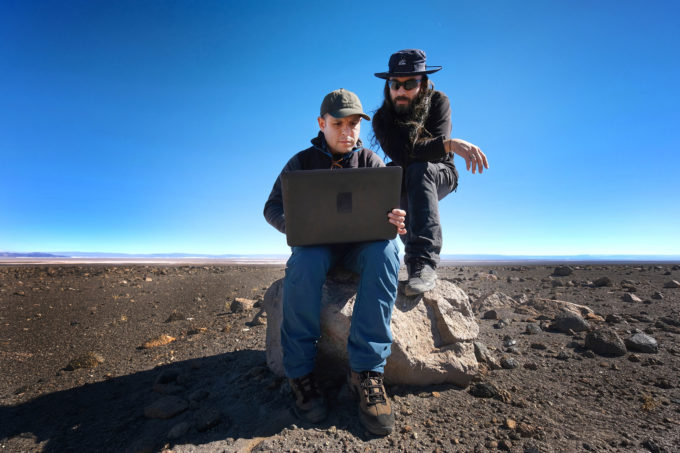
(307, 261)
(382, 252)
(417, 171)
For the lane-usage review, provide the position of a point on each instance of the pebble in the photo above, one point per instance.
(484, 390)
(179, 430)
(566, 321)
(86, 361)
(161, 340)
(484, 356)
(603, 281)
(533, 329)
(509, 363)
(176, 316)
(628, 297)
(605, 342)
(641, 342)
(614, 319)
(672, 284)
(166, 407)
(206, 418)
(563, 271)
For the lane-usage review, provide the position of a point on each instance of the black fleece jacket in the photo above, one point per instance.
(313, 158)
(398, 148)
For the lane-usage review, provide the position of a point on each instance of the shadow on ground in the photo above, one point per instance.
(109, 415)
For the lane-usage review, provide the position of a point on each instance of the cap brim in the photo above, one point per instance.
(387, 75)
(342, 113)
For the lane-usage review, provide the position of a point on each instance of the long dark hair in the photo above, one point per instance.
(386, 117)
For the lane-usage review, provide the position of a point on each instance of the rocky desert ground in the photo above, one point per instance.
(144, 358)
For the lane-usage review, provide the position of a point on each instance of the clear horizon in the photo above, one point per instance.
(142, 127)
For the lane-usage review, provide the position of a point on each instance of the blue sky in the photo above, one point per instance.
(160, 126)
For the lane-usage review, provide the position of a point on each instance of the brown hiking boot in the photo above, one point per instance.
(375, 411)
(310, 404)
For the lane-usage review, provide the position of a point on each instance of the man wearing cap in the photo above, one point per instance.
(338, 146)
(413, 127)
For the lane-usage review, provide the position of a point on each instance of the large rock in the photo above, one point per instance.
(606, 342)
(432, 333)
(493, 301)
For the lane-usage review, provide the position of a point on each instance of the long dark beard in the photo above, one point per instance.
(411, 118)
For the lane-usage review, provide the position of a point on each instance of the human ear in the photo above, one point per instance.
(322, 123)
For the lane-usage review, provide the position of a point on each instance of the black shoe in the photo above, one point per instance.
(421, 277)
(310, 404)
(375, 410)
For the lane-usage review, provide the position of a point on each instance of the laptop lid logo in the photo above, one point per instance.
(344, 202)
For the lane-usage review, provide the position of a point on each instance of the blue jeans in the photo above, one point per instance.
(370, 336)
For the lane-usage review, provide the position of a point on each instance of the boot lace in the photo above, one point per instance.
(372, 384)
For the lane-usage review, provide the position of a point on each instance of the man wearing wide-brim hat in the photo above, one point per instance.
(413, 128)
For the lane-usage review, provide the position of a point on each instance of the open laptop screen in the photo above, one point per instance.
(340, 206)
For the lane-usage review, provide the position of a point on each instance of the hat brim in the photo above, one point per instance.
(387, 75)
(342, 113)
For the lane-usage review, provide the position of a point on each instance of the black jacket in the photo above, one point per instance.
(397, 145)
(313, 158)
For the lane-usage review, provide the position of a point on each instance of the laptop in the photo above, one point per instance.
(340, 206)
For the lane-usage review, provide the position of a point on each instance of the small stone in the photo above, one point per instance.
(199, 395)
(483, 390)
(628, 297)
(539, 346)
(161, 340)
(240, 304)
(533, 329)
(509, 363)
(603, 281)
(634, 358)
(563, 271)
(484, 356)
(510, 423)
(166, 407)
(167, 376)
(175, 316)
(505, 444)
(641, 342)
(89, 360)
(206, 418)
(605, 342)
(672, 284)
(531, 366)
(657, 295)
(179, 430)
(491, 314)
(148, 279)
(614, 319)
(566, 321)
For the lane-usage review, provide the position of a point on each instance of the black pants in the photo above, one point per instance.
(424, 184)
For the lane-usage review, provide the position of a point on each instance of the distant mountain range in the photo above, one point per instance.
(29, 255)
(457, 258)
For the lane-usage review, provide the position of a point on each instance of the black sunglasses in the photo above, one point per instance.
(408, 85)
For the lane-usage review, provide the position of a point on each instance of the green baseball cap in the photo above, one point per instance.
(341, 103)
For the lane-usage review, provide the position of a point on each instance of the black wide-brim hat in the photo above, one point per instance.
(406, 63)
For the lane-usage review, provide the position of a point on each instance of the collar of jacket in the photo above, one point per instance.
(319, 143)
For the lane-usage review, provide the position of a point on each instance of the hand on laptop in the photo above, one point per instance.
(397, 217)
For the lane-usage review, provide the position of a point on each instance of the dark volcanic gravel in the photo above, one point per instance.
(151, 358)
